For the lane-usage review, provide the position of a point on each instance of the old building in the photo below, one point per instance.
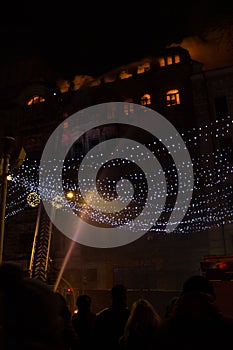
(198, 103)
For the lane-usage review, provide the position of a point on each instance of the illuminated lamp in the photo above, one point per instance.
(33, 199)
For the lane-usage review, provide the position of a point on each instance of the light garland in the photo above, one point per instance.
(212, 171)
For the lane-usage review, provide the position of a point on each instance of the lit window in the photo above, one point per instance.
(169, 60)
(143, 68)
(35, 99)
(177, 58)
(124, 75)
(161, 61)
(146, 100)
(173, 97)
(63, 85)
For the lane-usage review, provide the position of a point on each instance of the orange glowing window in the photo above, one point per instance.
(162, 62)
(146, 100)
(173, 97)
(169, 60)
(35, 99)
(177, 58)
(125, 75)
(145, 67)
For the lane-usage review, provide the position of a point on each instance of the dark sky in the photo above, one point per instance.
(93, 38)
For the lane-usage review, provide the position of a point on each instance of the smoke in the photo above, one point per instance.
(213, 48)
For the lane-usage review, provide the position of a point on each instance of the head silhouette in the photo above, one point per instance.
(83, 303)
(119, 294)
(198, 284)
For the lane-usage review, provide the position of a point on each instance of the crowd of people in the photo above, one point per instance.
(33, 317)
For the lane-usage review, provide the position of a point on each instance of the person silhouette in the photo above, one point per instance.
(142, 327)
(171, 306)
(196, 321)
(29, 318)
(70, 339)
(111, 321)
(84, 321)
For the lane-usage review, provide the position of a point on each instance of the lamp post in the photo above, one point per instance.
(7, 144)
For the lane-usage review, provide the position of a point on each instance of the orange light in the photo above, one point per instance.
(70, 194)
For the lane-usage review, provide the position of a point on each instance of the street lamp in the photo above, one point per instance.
(7, 143)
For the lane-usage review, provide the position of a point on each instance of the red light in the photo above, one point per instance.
(69, 290)
(222, 266)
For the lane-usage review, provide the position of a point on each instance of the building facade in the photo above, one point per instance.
(198, 103)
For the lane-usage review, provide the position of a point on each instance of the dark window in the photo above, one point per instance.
(221, 107)
(136, 277)
(90, 275)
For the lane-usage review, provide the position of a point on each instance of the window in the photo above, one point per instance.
(146, 100)
(168, 60)
(90, 275)
(162, 62)
(145, 67)
(173, 98)
(125, 75)
(35, 99)
(221, 107)
(135, 276)
(176, 58)
(128, 108)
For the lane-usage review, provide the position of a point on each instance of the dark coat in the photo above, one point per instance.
(196, 324)
(110, 324)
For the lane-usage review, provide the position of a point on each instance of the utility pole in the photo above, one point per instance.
(7, 144)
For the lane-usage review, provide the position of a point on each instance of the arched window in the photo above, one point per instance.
(173, 97)
(35, 99)
(146, 100)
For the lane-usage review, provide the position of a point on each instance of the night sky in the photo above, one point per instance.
(92, 39)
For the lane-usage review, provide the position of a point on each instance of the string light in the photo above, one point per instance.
(212, 171)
